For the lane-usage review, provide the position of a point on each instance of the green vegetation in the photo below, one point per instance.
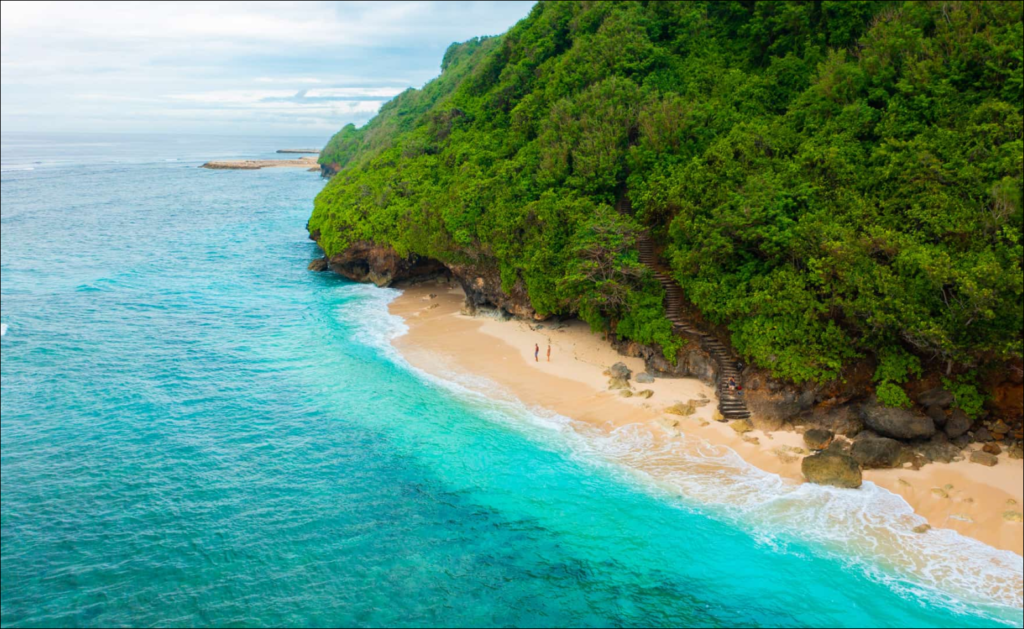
(830, 180)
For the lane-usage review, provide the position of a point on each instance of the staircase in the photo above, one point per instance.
(730, 403)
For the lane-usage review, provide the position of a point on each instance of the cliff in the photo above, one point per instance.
(834, 188)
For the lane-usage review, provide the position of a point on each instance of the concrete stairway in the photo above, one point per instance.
(730, 403)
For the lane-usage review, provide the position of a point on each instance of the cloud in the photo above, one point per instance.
(171, 66)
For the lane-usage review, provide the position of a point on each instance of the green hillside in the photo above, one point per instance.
(829, 180)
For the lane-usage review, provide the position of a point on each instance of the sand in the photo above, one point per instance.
(308, 163)
(967, 497)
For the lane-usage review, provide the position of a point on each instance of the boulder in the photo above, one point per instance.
(615, 384)
(939, 449)
(935, 397)
(832, 468)
(877, 453)
(983, 435)
(937, 414)
(992, 448)
(1013, 516)
(1016, 452)
(319, 265)
(922, 528)
(644, 378)
(958, 424)
(984, 458)
(682, 409)
(841, 420)
(646, 393)
(896, 422)
(741, 426)
(626, 393)
(1000, 429)
(620, 370)
(818, 438)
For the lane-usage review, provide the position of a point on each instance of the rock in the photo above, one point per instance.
(620, 370)
(751, 440)
(992, 448)
(832, 468)
(984, 458)
(818, 438)
(1000, 428)
(646, 393)
(896, 422)
(937, 414)
(939, 450)
(877, 453)
(717, 416)
(1016, 452)
(618, 383)
(644, 378)
(703, 401)
(983, 435)
(626, 393)
(768, 424)
(939, 492)
(1013, 516)
(935, 397)
(841, 420)
(681, 409)
(789, 454)
(922, 528)
(364, 261)
(741, 426)
(957, 425)
(319, 265)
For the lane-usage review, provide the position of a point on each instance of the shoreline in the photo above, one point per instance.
(967, 498)
(308, 163)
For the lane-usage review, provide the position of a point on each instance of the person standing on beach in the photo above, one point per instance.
(536, 352)
(549, 352)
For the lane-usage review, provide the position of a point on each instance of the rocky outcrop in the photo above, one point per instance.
(957, 424)
(691, 361)
(318, 265)
(877, 452)
(818, 438)
(896, 422)
(482, 285)
(368, 262)
(832, 468)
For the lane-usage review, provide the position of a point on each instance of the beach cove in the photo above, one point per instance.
(706, 460)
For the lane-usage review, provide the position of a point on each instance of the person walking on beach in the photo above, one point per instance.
(536, 352)
(549, 352)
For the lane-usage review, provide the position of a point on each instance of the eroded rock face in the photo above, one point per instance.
(368, 262)
(482, 286)
(832, 468)
(896, 422)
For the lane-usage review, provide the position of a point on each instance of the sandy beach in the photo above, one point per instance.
(256, 164)
(976, 501)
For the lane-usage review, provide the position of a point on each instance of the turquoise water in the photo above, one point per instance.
(198, 431)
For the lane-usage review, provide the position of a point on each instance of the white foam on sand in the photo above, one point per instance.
(869, 529)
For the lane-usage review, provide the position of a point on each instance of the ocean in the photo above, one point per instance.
(197, 431)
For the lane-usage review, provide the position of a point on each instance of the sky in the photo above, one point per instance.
(273, 68)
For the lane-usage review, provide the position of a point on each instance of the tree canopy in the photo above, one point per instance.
(828, 180)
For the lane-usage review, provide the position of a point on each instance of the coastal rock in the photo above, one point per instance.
(922, 528)
(1013, 516)
(939, 449)
(646, 394)
(1016, 452)
(481, 283)
(615, 384)
(318, 265)
(937, 414)
(895, 422)
(877, 453)
(958, 424)
(841, 420)
(984, 458)
(982, 435)
(832, 468)
(789, 454)
(993, 449)
(683, 409)
(626, 393)
(644, 378)
(818, 438)
(365, 261)
(620, 370)
(741, 426)
(935, 397)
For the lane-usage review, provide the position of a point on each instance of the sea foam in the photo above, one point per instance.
(868, 530)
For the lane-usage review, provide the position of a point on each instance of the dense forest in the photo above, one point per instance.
(830, 182)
